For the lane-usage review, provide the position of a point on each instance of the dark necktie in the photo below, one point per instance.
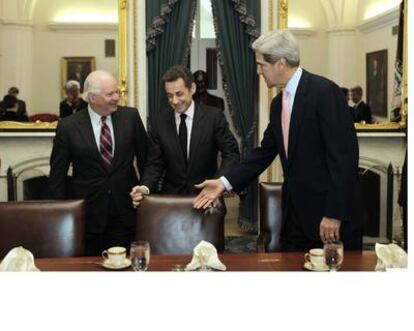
(182, 135)
(105, 143)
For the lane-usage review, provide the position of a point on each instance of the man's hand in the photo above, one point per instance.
(137, 194)
(211, 190)
(329, 229)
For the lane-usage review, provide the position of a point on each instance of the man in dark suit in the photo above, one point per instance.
(101, 144)
(312, 131)
(362, 111)
(186, 141)
(201, 96)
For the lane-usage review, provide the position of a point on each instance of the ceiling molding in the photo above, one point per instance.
(388, 18)
(82, 26)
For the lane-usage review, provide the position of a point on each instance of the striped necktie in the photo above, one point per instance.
(105, 143)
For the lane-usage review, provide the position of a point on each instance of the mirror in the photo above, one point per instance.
(337, 40)
(59, 32)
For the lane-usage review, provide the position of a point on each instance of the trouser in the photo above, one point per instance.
(114, 234)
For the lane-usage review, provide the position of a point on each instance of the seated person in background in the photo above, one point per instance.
(21, 107)
(72, 103)
(201, 96)
(10, 107)
(362, 111)
(185, 141)
(345, 91)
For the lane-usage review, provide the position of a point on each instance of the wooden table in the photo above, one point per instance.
(354, 261)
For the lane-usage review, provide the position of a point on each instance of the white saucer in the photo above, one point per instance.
(310, 267)
(107, 265)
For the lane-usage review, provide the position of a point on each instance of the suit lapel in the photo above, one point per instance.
(117, 125)
(196, 132)
(279, 132)
(298, 111)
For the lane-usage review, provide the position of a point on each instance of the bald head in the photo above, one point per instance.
(101, 89)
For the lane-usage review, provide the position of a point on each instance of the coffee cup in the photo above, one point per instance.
(315, 257)
(114, 256)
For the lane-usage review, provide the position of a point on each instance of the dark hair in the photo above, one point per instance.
(345, 91)
(13, 90)
(357, 89)
(177, 72)
(9, 101)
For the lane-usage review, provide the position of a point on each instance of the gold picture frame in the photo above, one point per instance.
(76, 68)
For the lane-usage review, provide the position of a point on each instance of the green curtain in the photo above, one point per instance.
(169, 26)
(236, 25)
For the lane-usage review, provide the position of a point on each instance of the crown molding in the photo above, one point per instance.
(82, 26)
(387, 18)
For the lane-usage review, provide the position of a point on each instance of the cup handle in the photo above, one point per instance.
(105, 255)
(307, 257)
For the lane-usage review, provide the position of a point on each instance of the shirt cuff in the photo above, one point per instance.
(146, 189)
(226, 183)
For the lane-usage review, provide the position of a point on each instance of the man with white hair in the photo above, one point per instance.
(73, 102)
(101, 144)
(312, 131)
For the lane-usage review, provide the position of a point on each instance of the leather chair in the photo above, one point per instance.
(46, 228)
(270, 217)
(172, 226)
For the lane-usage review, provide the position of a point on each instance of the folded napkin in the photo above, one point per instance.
(18, 259)
(205, 251)
(390, 256)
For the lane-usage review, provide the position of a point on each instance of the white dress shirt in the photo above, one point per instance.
(188, 122)
(97, 126)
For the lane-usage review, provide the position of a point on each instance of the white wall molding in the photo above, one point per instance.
(342, 31)
(82, 26)
(14, 22)
(302, 32)
(388, 18)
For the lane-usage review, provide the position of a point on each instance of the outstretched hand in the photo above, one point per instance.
(210, 191)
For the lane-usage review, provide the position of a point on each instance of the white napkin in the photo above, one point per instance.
(18, 259)
(390, 256)
(205, 250)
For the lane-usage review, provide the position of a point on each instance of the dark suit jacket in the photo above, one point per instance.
(321, 170)
(362, 113)
(65, 109)
(75, 144)
(210, 134)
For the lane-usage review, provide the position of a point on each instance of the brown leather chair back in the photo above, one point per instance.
(270, 217)
(172, 226)
(46, 228)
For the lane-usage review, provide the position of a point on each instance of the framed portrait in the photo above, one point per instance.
(76, 68)
(377, 82)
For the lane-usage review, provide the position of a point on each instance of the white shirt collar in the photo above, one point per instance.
(189, 112)
(293, 82)
(95, 117)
